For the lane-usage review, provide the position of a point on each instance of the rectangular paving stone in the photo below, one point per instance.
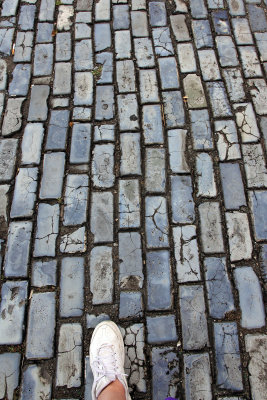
(104, 109)
(227, 51)
(256, 346)
(44, 273)
(155, 176)
(103, 165)
(9, 375)
(162, 358)
(47, 10)
(173, 109)
(139, 24)
(205, 175)
(101, 275)
(233, 188)
(63, 46)
(57, 130)
(158, 279)
(201, 129)
(246, 122)
(53, 173)
(31, 143)
(75, 199)
(125, 76)
(239, 236)
(152, 124)
(106, 59)
(242, 31)
(41, 326)
(261, 41)
(177, 150)
(8, 150)
(263, 264)
(69, 356)
(202, 33)
(104, 132)
(148, 86)
(156, 222)
(102, 35)
(179, 28)
(250, 62)
(36, 383)
(83, 55)
(197, 376)
(234, 84)
(138, 5)
(19, 86)
(13, 116)
(47, 230)
(131, 265)
(182, 201)
(211, 227)
(65, 17)
(236, 7)
(220, 295)
(162, 41)
(123, 46)
(257, 18)
(6, 39)
(256, 172)
(186, 57)
(44, 33)
(130, 305)
(13, 298)
(62, 79)
(71, 287)
(9, 7)
(80, 143)
(218, 99)
(194, 323)
(228, 363)
(121, 17)
(128, 112)
(24, 193)
(23, 48)
(3, 74)
(4, 197)
(73, 242)
(144, 52)
(186, 253)
(198, 9)
(250, 298)
(83, 89)
(84, 5)
(227, 140)
(168, 73)
(258, 91)
(129, 203)
(157, 14)
(82, 31)
(102, 217)
(38, 103)
(102, 10)
(130, 162)
(161, 329)
(221, 22)
(209, 65)
(26, 17)
(258, 201)
(214, 4)
(18, 248)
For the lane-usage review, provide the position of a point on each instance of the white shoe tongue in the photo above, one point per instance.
(104, 382)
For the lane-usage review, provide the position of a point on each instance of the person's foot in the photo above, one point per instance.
(107, 357)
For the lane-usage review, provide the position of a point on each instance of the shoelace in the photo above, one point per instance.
(106, 362)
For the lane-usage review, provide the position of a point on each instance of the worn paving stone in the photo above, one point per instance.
(256, 172)
(177, 150)
(102, 35)
(228, 363)
(64, 18)
(69, 356)
(201, 130)
(162, 358)
(31, 143)
(234, 84)
(218, 99)
(195, 96)
(227, 51)
(198, 9)
(261, 40)
(128, 112)
(23, 47)
(144, 52)
(47, 10)
(93, 320)
(233, 188)
(156, 222)
(9, 375)
(221, 22)
(258, 90)
(57, 130)
(71, 287)
(44, 273)
(155, 175)
(74, 241)
(250, 297)
(13, 299)
(38, 103)
(102, 217)
(36, 382)
(47, 230)
(83, 55)
(130, 163)
(6, 38)
(239, 236)
(106, 59)
(101, 275)
(82, 114)
(4, 197)
(257, 201)
(162, 42)
(24, 193)
(179, 28)
(183, 211)
(161, 329)
(168, 73)
(157, 13)
(12, 117)
(173, 109)
(44, 32)
(62, 80)
(83, 89)
(123, 44)
(3, 74)
(197, 373)
(139, 24)
(82, 31)
(227, 140)
(205, 175)
(236, 7)
(256, 346)
(125, 76)
(63, 47)
(19, 86)
(104, 109)
(75, 199)
(211, 227)
(80, 143)
(41, 326)
(250, 61)
(186, 57)
(9, 8)
(202, 33)
(148, 86)
(246, 122)
(26, 17)
(53, 172)
(152, 124)
(129, 203)
(102, 10)
(103, 165)
(257, 18)
(8, 149)
(130, 255)
(104, 132)
(242, 31)
(130, 305)
(209, 65)
(121, 17)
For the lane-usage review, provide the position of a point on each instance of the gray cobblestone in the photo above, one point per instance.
(52, 179)
(148, 86)
(157, 13)
(102, 10)
(84, 5)
(47, 230)
(73, 241)
(31, 143)
(233, 189)
(101, 275)
(179, 28)
(258, 90)
(104, 132)
(227, 51)
(227, 140)
(47, 10)
(250, 61)
(177, 150)
(38, 103)
(152, 123)
(8, 149)
(161, 329)
(6, 38)
(9, 7)
(125, 76)
(218, 99)
(257, 18)
(162, 358)
(195, 96)
(186, 57)
(202, 33)
(239, 236)
(261, 39)
(173, 109)
(20, 83)
(4, 197)
(256, 172)
(26, 17)
(121, 17)
(3, 74)
(24, 193)
(44, 273)
(258, 202)
(139, 24)
(82, 114)
(80, 143)
(102, 36)
(13, 299)
(71, 287)
(57, 130)
(162, 41)
(123, 44)
(130, 255)
(128, 112)
(129, 203)
(83, 55)
(83, 90)
(197, 376)
(102, 217)
(62, 80)
(256, 347)
(41, 326)
(13, 116)
(104, 109)
(44, 33)
(130, 163)
(23, 47)
(211, 227)
(205, 175)
(156, 222)
(75, 200)
(209, 66)
(130, 305)
(182, 206)
(198, 9)
(63, 47)
(242, 31)
(35, 383)
(201, 129)
(236, 7)
(234, 84)
(82, 31)
(168, 73)
(155, 178)
(9, 375)
(106, 59)
(144, 52)
(103, 165)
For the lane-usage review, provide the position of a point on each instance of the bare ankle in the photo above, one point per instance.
(114, 391)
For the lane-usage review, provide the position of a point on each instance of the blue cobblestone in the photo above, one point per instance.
(83, 55)
(139, 24)
(177, 148)
(128, 112)
(9, 7)
(57, 130)
(227, 51)
(261, 39)
(130, 305)
(202, 138)
(121, 17)
(162, 41)
(161, 329)
(182, 201)
(92, 321)
(71, 287)
(24, 193)
(9, 375)
(102, 217)
(38, 103)
(47, 230)
(125, 76)
(202, 33)
(75, 200)
(218, 98)
(19, 86)
(82, 114)
(205, 175)
(234, 84)
(23, 47)
(104, 132)
(130, 256)
(101, 275)
(157, 13)
(144, 52)
(233, 189)
(130, 154)
(52, 179)
(33, 386)
(156, 222)
(83, 89)
(6, 38)
(236, 7)
(44, 33)
(82, 31)
(168, 73)
(63, 48)
(242, 31)
(152, 124)
(123, 45)
(47, 10)
(102, 36)
(257, 18)
(209, 66)
(106, 59)
(155, 177)
(162, 358)
(173, 109)
(80, 143)
(104, 109)
(44, 273)
(26, 17)
(198, 9)
(129, 203)
(103, 165)
(221, 22)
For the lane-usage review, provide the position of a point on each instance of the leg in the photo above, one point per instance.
(114, 391)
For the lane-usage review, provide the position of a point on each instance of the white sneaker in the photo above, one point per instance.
(107, 358)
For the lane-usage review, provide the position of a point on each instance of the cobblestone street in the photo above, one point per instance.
(133, 187)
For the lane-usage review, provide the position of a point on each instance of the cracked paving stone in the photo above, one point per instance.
(36, 383)
(232, 185)
(130, 305)
(201, 129)
(256, 346)
(258, 91)
(246, 122)
(164, 363)
(13, 299)
(250, 298)
(104, 132)
(123, 46)
(177, 150)
(129, 203)
(228, 363)
(83, 55)
(19, 86)
(18, 248)
(32, 143)
(155, 176)
(197, 376)
(234, 84)
(103, 166)
(128, 112)
(144, 52)
(254, 162)
(211, 227)
(71, 287)
(130, 162)
(173, 109)
(220, 295)
(202, 33)
(38, 104)
(53, 173)
(102, 217)
(47, 230)
(57, 130)
(101, 275)
(80, 143)
(227, 140)
(47, 10)
(179, 28)
(205, 175)
(3, 74)
(258, 201)
(139, 24)
(239, 236)
(250, 62)
(152, 124)
(186, 253)
(218, 99)
(24, 193)
(75, 199)
(161, 329)
(12, 117)
(74, 242)
(106, 59)
(183, 211)
(158, 280)
(9, 7)
(9, 374)
(8, 150)
(125, 76)
(82, 114)
(194, 323)
(162, 41)
(69, 359)
(63, 79)
(63, 46)
(157, 227)
(130, 258)
(44, 273)
(41, 326)
(6, 38)
(23, 47)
